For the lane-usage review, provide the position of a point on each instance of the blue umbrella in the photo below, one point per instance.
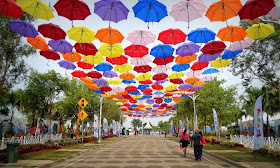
(167, 100)
(67, 64)
(230, 54)
(180, 67)
(210, 71)
(147, 96)
(201, 35)
(134, 105)
(135, 92)
(150, 10)
(61, 46)
(159, 93)
(162, 51)
(23, 28)
(104, 66)
(140, 87)
(128, 81)
(97, 91)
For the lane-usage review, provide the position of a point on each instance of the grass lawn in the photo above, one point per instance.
(47, 155)
(78, 146)
(245, 156)
(215, 147)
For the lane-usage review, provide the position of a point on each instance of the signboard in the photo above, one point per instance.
(258, 124)
(82, 115)
(82, 103)
(95, 125)
(216, 124)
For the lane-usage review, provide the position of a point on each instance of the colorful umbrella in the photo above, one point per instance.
(206, 78)
(38, 43)
(144, 76)
(105, 88)
(161, 68)
(185, 59)
(92, 86)
(72, 56)
(114, 81)
(128, 81)
(164, 61)
(213, 47)
(111, 10)
(201, 35)
(100, 81)
(131, 88)
(160, 76)
(157, 87)
(104, 66)
(118, 60)
(23, 28)
(85, 65)
(136, 50)
(191, 80)
(198, 83)
(162, 51)
(188, 10)
(194, 73)
(141, 37)
(123, 68)
(210, 71)
(36, 8)
(9, 8)
(275, 12)
(50, 54)
(72, 9)
(208, 57)
(261, 30)
(143, 68)
(79, 74)
(127, 76)
(86, 80)
(223, 10)
(172, 36)
(149, 10)
(94, 74)
(180, 67)
(85, 48)
(171, 87)
(109, 35)
(199, 65)
(141, 61)
(52, 31)
(110, 74)
(111, 50)
(67, 64)
(230, 54)
(93, 59)
(81, 34)
(185, 86)
(187, 49)
(177, 81)
(220, 63)
(232, 33)
(242, 44)
(255, 8)
(176, 75)
(61, 46)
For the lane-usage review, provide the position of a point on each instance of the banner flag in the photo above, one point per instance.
(216, 124)
(105, 127)
(171, 128)
(181, 124)
(114, 127)
(187, 123)
(95, 126)
(258, 124)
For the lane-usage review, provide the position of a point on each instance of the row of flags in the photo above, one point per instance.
(115, 125)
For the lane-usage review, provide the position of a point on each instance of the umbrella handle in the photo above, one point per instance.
(48, 63)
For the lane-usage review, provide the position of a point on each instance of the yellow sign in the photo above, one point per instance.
(82, 103)
(82, 115)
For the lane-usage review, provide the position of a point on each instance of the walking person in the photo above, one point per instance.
(202, 143)
(184, 139)
(165, 133)
(196, 143)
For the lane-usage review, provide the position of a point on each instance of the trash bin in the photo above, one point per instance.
(12, 151)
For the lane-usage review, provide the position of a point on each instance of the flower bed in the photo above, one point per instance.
(269, 152)
(231, 144)
(65, 142)
(86, 140)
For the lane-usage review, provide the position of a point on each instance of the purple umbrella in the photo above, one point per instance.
(156, 105)
(185, 86)
(61, 46)
(150, 101)
(100, 81)
(161, 81)
(111, 10)
(23, 28)
(110, 74)
(208, 57)
(67, 64)
(187, 49)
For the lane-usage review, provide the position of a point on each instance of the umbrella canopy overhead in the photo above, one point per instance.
(23, 28)
(10, 8)
(111, 50)
(232, 33)
(141, 37)
(61, 46)
(172, 36)
(260, 30)
(81, 34)
(109, 35)
(201, 35)
(85, 48)
(52, 31)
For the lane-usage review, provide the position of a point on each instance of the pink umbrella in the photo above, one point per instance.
(194, 73)
(141, 61)
(240, 45)
(141, 37)
(118, 90)
(205, 78)
(275, 12)
(161, 68)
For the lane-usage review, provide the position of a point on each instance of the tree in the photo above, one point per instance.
(136, 123)
(163, 125)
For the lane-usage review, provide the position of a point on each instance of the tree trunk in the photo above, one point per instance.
(3, 78)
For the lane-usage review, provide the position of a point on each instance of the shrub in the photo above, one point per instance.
(86, 140)
(231, 144)
(65, 142)
(266, 150)
(35, 147)
(210, 138)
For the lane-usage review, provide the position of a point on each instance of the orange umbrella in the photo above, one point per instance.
(186, 59)
(223, 10)
(176, 99)
(92, 86)
(192, 80)
(141, 105)
(123, 100)
(127, 76)
(38, 43)
(232, 33)
(87, 80)
(72, 56)
(109, 35)
(199, 83)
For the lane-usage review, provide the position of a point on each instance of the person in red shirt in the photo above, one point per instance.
(202, 143)
(184, 139)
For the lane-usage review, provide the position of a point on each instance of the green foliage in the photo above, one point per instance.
(136, 123)
(231, 144)
(163, 125)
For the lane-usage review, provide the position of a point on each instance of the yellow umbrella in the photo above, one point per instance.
(106, 95)
(36, 8)
(220, 63)
(114, 81)
(136, 96)
(81, 34)
(123, 68)
(149, 105)
(111, 50)
(119, 103)
(175, 75)
(144, 76)
(199, 83)
(259, 31)
(93, 59)
(171, 87)
(115, 99)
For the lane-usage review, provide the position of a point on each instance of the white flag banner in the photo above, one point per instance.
(105, 127)
(114, 127)
(258, 124)
(187, 123)
(216, 124)
(95, 126)
(171, 128)
(181, 125)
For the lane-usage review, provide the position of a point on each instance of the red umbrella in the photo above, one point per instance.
(147, 82)
(164, 61)
(85, 65)
(150, 93)
(255, 8)
(163, 105)
(132, 101)
(127, 104)
(158, 100)
(160, 76)
(52, 31)
(131, 88)
(127, 96)
(143, 68)
(172, 36)
(213, 47)
(85, 48)
(72, 9)
(10, 8)
(168, 94)
(117, 60)
(147, 90)
(136, 50)
(199, 65)
(79, 74)
(105, 88)
(157, 87)
(50, 54)
(94, 74)
(177, 81)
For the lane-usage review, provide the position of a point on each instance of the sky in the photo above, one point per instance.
(95, 23)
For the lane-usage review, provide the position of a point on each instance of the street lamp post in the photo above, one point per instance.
(99, 131)
(193, 97)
